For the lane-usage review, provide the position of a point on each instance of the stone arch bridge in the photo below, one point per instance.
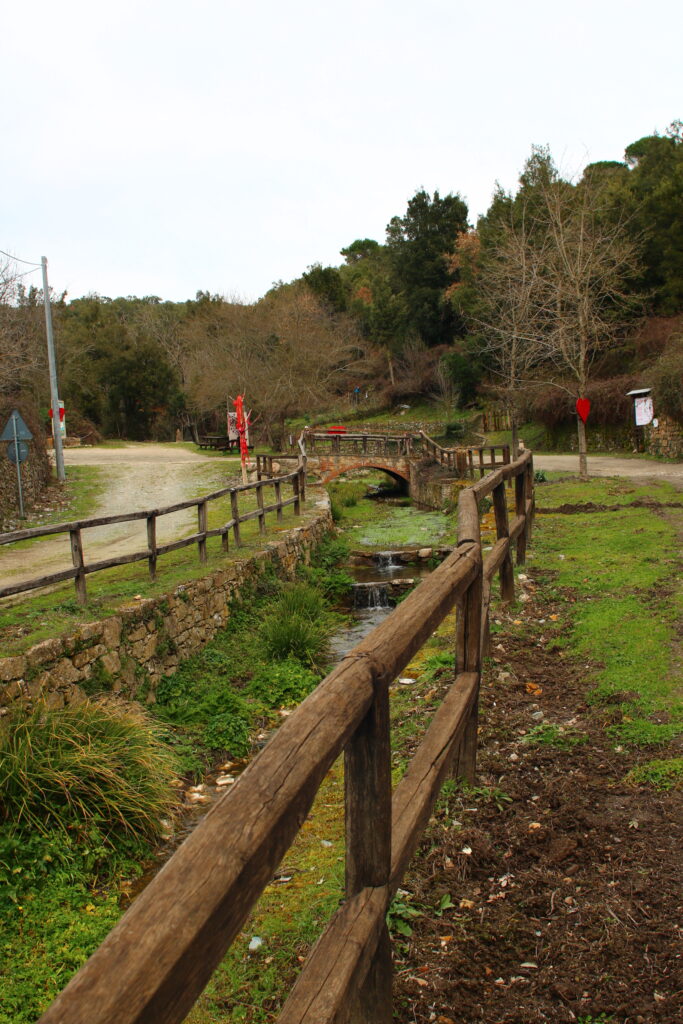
(410, 459)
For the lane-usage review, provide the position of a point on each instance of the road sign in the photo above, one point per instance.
(17, 452)
(16, 428)
(17, 433)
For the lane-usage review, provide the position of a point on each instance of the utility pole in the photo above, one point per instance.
(54, 390)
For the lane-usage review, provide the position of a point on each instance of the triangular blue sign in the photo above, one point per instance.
(15, 422)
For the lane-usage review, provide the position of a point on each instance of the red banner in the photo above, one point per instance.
(241, 427)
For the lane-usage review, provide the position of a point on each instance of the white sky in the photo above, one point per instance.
(159, 147)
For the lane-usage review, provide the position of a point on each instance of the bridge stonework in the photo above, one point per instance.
(328, 467)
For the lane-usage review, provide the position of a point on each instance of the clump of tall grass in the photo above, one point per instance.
(297, 626)
(99, 763)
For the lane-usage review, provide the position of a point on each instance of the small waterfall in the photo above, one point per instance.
(387, 559)
(370, 595)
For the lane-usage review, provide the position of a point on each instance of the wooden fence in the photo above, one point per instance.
(392, 445)
(80, 568)
(468, 460)
(157, 960)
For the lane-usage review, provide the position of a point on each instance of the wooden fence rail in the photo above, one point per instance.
(80, 568)
(157, 960)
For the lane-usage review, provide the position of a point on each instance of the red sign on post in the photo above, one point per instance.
(583, 407)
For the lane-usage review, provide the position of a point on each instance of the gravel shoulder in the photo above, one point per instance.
(613, 465)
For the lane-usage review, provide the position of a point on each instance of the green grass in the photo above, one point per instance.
(662, 775)
(550, 735)
(79, 499)
(624, 571)
(561, 489)
(84, 789)
(96, 763)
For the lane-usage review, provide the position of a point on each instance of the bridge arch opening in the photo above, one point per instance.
(402, 481)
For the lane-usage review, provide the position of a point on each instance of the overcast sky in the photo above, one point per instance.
(158, 148)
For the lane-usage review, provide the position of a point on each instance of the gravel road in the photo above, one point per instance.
(136, 477)
(612, 465)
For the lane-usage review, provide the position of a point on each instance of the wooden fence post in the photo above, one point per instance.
(367, 783)
(469, 651)
(468, 634)
(302, 482)
(201, 529)
(520, 509)
(259, 504)
(152, 546)
(278, 499)
(77, 559)
(297, 494)
(235, 517)
(507, 579)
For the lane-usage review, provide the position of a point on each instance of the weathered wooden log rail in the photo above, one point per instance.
(154, 964)
(467, 460)
(80, 568)
(359, 444)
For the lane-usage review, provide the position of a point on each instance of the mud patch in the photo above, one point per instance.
(552, 890)
(590, 506)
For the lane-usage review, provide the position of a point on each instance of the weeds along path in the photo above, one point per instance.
(135, 477)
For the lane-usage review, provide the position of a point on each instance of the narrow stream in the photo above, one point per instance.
(371, 600)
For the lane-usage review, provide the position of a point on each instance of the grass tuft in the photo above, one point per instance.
(97, 762)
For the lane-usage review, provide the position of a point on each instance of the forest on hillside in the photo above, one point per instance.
(563, 289)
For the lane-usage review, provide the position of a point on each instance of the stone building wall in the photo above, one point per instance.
(131, 651)
(665, 439)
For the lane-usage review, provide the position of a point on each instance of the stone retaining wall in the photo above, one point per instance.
(131, 651)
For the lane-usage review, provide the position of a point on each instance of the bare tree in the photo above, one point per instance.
(510, 315)
(286, 353)
(585, 303)
(553, 290)
(21, 352)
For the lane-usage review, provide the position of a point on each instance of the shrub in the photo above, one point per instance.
(301, 599)
(220, 718)
(283, 683)
(99, 763)
(666, 378)
(293, 636)
(329, 553)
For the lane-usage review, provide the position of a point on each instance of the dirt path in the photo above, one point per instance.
(136, 477)
(612, 465)
(561, 879)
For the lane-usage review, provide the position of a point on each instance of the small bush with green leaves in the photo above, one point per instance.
(98, 763)
(282, 683)
(220, 718)
(329, 553)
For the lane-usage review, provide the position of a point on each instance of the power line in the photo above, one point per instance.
(17, 260)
